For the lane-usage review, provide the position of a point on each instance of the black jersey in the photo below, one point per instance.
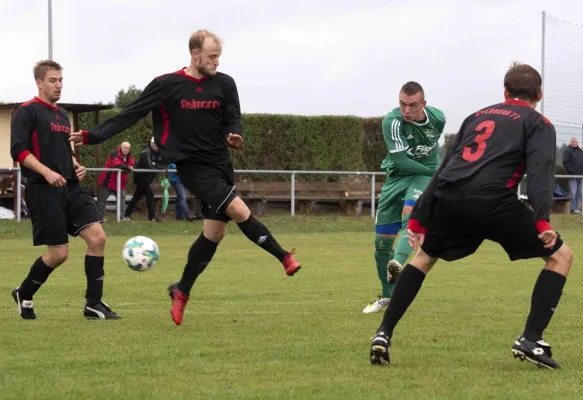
(192, 117)
(40, 129)
(493, 150)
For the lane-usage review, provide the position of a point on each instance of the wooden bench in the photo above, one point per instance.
(349, 197)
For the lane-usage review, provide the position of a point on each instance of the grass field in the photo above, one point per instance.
(250, 332)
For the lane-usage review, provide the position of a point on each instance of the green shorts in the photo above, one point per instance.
(397, 192)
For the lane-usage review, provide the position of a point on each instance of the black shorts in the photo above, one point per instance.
(57, 212)
(212, 184)
(460, 223)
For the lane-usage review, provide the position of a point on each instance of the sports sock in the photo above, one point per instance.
(260, 235)
(199, 256)
(38, 274)
(382, 255)
(95, 274)
(403, 250)
(545, 298)
(406, 289)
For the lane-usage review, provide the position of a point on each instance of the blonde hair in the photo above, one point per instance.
(197, 39)
(40, 68)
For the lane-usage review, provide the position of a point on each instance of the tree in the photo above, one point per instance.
(125, 97)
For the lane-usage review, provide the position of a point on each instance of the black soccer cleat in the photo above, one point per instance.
(99, 311)
(538, 353)
(379, 349)
(25, 307)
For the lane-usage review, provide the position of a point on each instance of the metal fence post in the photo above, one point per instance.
(118, 196)
(18, 194)
(293, 194)
(372, 195)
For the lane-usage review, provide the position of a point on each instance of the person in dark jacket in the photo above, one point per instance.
(121, 158)
(573, 163)
(149, 159)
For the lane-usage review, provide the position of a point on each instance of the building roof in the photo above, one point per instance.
(75, 107)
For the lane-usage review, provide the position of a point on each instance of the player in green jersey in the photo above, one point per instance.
(411, 133)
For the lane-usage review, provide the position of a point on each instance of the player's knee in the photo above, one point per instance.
(56, 256)
(214, 231)
(97, 239)
(561, 261)
(238, 211)
(423, 262)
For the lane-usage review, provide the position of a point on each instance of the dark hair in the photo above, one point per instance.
(411, 88)
(523, 81)
(40, 68)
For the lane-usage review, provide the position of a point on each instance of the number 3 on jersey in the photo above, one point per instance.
(485, 128)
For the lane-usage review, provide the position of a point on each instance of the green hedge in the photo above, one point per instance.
(272, 141)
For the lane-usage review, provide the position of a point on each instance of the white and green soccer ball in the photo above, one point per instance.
(140, 253)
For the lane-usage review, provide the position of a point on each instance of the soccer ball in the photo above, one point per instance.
(140, 253)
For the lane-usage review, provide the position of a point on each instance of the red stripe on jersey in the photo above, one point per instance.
(516, 176)
(516, 102)
(22, 156)
(35, 145)
(192, 78)
(546, 120)
(166, 122)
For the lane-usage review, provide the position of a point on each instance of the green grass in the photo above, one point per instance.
(250, 332)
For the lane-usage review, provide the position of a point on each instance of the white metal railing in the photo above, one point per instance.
(293, 174)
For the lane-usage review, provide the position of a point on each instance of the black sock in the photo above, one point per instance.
(545, 298)
(95, 275)
(200, 254)
(260, 235)
(407, 287)
(39, 273)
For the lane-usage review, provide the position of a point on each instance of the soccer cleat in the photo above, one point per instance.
(394, 269)
(538, 353)
(25, 307)
(377, 305)
(379, 349)
(290, 264)
(179, 301)
(99, 311)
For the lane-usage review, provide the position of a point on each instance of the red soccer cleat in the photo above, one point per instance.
(179, 301)
(290, 264)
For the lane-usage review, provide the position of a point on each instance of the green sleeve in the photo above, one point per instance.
(407, 166)
(394, 137)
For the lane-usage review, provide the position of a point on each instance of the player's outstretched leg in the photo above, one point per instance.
(546, 294)
(382, 254)
(405, 292)
(403, 250)
(37, 276)
(260, 235)
(199, 256)
(94, 308)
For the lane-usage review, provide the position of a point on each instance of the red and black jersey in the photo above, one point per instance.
(40, 129)
(116, 159)
(491, 153)
(192, 117)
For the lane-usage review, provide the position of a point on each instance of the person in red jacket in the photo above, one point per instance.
(119, 158)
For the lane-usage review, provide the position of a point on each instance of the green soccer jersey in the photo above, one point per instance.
(418, 139)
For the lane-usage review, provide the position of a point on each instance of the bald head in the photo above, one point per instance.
(125, 148)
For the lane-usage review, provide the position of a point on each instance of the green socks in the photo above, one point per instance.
(403, 250)
(382, 255)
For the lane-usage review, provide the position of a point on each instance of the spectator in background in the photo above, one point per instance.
(573, 163)
(181, 209)
(121, 158)
(149, 159)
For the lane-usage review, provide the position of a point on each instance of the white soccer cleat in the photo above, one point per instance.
(394, 269)
(377, 305)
